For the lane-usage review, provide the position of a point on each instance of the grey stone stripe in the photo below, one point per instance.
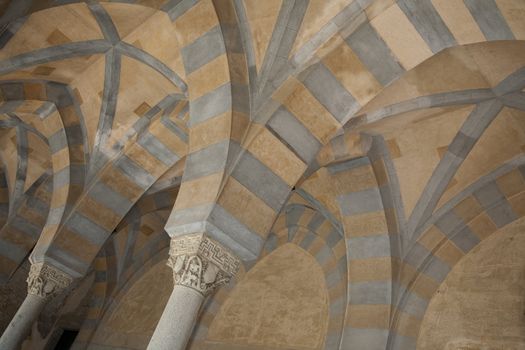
(261, 181)
(428, 23)
(413, 304)
(390, 192)
(15, 10)
(374, 54)
(360, 202)
(157, 149)
(316, 221)
(207, 161)
(365, 247)
(364, 338)
(57, 141)
(63, 260)
(321, 209)
(476, 123)
(11, 30)
(110, 198)
(209, 46)
(87, 229)
(429, 101)
(466, 239)
(174, 128)
(14, 121)
(271, 243)
(134, 172)
(512, 83)
(294, 135)
(45, 110)
(164, 184)
(401, 342)
(227, 223)
(13, 91)
(54, 53)
(176, 8)
(489, 19)
(370, 292)
(21, 169)
(327, 89)
(104, 22)
(515, 100)
(322, 256)
(211, 105)
(9, 106)
(108, 106)
(307, 241)
(502, 214)
(293, 213)
(23, 225)
(10, 250)
(247, 42)
(153, 62)
(348, 165)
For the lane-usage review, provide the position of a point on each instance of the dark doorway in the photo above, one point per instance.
(66, 339)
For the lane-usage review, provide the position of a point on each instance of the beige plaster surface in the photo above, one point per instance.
(417, 141)
(133, 321)
(282, 303)
(318, 14)
(481, 304)
(262, 16)
(54, 26)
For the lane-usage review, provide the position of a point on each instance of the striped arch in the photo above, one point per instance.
(371, 235)
(126, 256)
(53, 108)
(314, 233)
(22, 229)
(139, 239)
(114, 191)
(219, 114)
(489, 204)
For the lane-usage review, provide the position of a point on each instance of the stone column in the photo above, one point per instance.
(200, 265)
(43, 283)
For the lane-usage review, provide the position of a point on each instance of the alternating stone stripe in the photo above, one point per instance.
(110, 196)
(124, 259)
(21, 230)
(371, 252)
(488, 205)
(314, 233)
(63, 128)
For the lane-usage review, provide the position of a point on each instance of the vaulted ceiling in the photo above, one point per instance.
(364, 119)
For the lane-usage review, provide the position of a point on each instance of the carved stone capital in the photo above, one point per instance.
(201, 263)
(46, 281)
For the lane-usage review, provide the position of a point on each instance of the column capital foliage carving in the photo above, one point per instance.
(201, 263)
(46, 281)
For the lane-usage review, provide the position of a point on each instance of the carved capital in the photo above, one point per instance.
(201, 263)
(46, 281)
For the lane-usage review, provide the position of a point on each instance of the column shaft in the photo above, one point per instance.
(178, 319)
(20, 326)
(200, 265)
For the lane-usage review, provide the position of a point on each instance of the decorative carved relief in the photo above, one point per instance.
(46, 281)
(201, 263)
